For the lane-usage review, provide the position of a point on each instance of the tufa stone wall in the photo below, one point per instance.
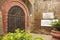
(1, 27)
(39, 7)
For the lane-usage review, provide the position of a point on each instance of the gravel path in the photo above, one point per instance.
(46, 37)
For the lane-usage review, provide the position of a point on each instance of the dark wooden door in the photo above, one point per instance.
(16, 19)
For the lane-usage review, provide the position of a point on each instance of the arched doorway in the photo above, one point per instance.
(16, 19)
(13, 8)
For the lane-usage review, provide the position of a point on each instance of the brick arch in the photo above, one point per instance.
(5, 9)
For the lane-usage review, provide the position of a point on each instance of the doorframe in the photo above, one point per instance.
(5, 9)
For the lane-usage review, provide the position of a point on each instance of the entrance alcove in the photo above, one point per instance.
(16, 19)
(15, 15)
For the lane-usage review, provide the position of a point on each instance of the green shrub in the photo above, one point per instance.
(39, 38)
(56, 25)
(19, 35)
(0, 37)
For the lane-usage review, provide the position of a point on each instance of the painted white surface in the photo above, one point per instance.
(48, 15)
(47, 22)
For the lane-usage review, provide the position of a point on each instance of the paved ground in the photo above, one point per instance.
(46, 37)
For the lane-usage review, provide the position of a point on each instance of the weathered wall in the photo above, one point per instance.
(41, 6)
(1, 29)
(27, 3)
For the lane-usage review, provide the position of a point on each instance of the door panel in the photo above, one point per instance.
(16, 19)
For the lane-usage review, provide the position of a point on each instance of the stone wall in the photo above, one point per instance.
(1, 27)
(39, 7)
(27, 3)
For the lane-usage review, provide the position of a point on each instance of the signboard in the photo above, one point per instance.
(49, 15)
(47, 22)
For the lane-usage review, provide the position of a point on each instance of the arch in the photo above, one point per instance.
(5, 9)
(16, 19)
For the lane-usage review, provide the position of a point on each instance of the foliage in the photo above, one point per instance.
(39, 38)
(0, 37)
(56, 24)
(19, 35)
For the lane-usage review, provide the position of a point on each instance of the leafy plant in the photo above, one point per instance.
(56, 24)
(0, 37)
(39, 38)
(19, 35)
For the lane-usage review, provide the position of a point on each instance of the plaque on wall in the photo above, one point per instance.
(47, 22)
(48, 15)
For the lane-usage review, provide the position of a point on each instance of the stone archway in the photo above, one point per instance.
(5, 9)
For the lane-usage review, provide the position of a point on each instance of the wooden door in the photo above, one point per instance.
(16, 19)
